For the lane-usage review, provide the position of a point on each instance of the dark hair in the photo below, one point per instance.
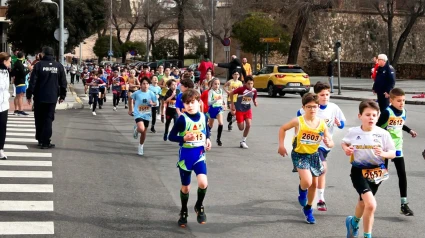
(169, 82)
(308, 98)
(319, 86)
(248, 78)
(368, 104)
(396, 92)
(145, 79)
(95, 72)
(235, 71)
(4, 56)
(189, 95)
(188, 83)
(189, 70)
(48, 51)
(20, 54)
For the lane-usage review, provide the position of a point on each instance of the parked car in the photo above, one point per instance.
(282, 79)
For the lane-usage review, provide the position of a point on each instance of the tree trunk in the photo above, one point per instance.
(152, 41)
(402, 40)
(130, 31)
(390, 38)
(181, 27)
(123, 57)
(297, 35)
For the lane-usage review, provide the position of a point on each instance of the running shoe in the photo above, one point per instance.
(352, 232)
(321, 206)
(309, 218)
(115, 109)
(47, 146)
(16, 112)
(2, 155)
(23, 113)
(126, 107)
(200, 215)
(229, 127)
(183, 219)
(244, 145)
(294, 170)
(165, 136)
(140, 150)
(219, 142)
(94, 113)
(153, 130)
(135, 133)
(405, 210)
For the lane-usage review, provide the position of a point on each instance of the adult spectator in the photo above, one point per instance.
(331, 74)
(73, 72)
(384, 82)
(247, 66)
(19, 73)
(5, 62)
(375, 68)
(203, 68)
(47, 84)
(233, 65)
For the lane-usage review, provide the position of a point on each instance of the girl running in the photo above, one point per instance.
(155, 109)
(170, 103)
(133, 86)
(215, 109)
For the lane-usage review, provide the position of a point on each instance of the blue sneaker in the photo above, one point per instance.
(309, 218)
(165, 137)
(135, 133)
(352, 231)
(302, 198)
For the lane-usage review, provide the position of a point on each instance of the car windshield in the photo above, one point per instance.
(290, 69)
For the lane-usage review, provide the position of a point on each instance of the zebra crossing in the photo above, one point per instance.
(25, 163)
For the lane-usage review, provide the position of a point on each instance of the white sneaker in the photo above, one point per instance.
(115, 108)
(2, 155)
(244, 145)
(140, 150)
(91, 106)
(94, 113)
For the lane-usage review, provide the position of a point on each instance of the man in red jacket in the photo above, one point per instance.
(203, 68)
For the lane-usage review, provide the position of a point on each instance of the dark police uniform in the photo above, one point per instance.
(47, 84)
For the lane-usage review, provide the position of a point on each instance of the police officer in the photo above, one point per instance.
(47, 84)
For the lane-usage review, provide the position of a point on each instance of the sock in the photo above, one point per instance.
(307, 207)
(141, 146)
(184, 197)
(403, 200)
(201, 196)
(220, 130)
(243, 139)
(355, 221)
(321, 194)
(303, 193)
(367, 235)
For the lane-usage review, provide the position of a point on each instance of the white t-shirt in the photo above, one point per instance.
(328, 114)
(364, 141)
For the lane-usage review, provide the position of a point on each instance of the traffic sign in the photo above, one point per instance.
(226, 41)
(110, 53)
(270, 40)
(226, 48)
(65, 34)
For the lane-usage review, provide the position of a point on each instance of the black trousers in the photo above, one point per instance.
(383, 102)
(94, 99)
(401, 173)
(72, 78)
(154, 111)
(44, 115)
(3, 124)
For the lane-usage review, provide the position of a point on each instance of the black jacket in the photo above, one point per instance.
(385, 79)
(19, 71)
(234, 64)
(330, 69)
(47, 81)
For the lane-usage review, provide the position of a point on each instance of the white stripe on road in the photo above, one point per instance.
(16, 116)
(26, 205)
(27, 228)
(19, 129)
(21, 122)
(21, 134)
(20, 119)
(29, 154)
(20, 140)
(26, 188)
(25, 174)
(25, 163)
(19, 125)
(16, 147)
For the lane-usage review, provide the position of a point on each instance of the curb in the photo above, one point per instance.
(368, 89)
(77, 104)
(361, 99)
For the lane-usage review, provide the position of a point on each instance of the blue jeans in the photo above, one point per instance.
(331, 83)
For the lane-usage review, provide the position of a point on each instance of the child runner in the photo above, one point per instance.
(144, 99)
(133, 86)
(231, 85)
(368, 146)
(205, 82)
(164, 90)
(124, 87)
(332, 114)
(157, 90)
(102, 88)
(215, 110)
(393, 120)
(85, 75)
(170, 102)
(116, 82)
(310, 130)
(94, 82)
(204, 97)
(191, 132)
(245, 95)
(185, 83)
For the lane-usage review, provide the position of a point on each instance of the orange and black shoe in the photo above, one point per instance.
(183, 219)
(200, 215)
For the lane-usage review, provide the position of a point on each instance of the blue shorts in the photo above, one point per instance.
(21, 89)
(311, 162)
(191, 159)
(213, 112)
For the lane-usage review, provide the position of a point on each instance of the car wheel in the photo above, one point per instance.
(270, 91)
(282, 94)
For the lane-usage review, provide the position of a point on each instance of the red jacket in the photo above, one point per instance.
(375, 70)
(203, 67)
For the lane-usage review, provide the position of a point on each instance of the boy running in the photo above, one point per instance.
(133, 86)
(163, 84)
(94, 82)
(192, 134)
(143, 99)
(243, 113)
(170, 102)
(310, 130)
(368, 146)
(155, 109)
(116, 81)
(229, 87)
(332, 115)
(392, 119)
(215, 110)
(185, 84)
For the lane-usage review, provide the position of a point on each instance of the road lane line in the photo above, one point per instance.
(20, 122)
(25, 174)
(25, 163)
(21, 134)
(6, 205)
(19, 129)
(19, 125)
(29, 154)
(20, 140)
(27, 228)
(16, 147)
(26, 188)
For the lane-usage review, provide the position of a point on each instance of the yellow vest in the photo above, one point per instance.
(232, 86)
(308, 139)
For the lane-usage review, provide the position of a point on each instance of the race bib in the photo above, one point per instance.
(199, 139)
(395, 123)
(246, 100)
(376, 175)
(144, 109)
(172, 104)
(309, 138)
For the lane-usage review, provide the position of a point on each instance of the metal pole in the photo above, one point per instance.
(147, 34)
(267, 54)
(61, 30)
(110, 35)
(81, 57)
(339, 70)
(211, 53)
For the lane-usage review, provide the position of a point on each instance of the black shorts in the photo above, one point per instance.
(102, 90)
(132, 91)
(145, 122)
(361, 184)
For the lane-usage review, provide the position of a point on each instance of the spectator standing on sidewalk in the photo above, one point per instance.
(47, 84)
(384, 82)
(5, 61)
(72, 71)
(19, 74)
(235, 64)
(247, 66)
(331, 74)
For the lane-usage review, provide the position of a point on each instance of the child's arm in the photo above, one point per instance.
(282, 133)
(211, 100)
(327, 139)
(410, 131)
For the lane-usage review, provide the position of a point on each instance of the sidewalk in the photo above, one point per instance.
(362, 95)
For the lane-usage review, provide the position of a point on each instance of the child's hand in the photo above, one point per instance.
(413, 133)
(326, 140)
(208, 145)
(189, 137)
(337, 122)
(349, 150)
(282, 151)
(377, 150)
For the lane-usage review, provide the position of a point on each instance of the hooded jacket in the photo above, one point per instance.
(385, 79)
(4, 88)
(235, 64)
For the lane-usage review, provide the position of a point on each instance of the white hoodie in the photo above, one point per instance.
(4, 89)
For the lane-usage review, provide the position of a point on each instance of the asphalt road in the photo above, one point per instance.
(102, 188)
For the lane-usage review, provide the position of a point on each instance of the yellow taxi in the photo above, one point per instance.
(282, 79)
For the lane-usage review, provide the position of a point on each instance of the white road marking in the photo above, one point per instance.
(16, 147)
(27, 228)
(20, 119)
(20, 140)
(21, 134)
(21, 122)
(29, 154)
(26, 188)
(19, 125)
(25, 174)
(19, 129)
(25, 163)
(26, 205)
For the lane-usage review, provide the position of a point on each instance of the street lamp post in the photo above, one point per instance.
(61, 28)
(110, 37)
